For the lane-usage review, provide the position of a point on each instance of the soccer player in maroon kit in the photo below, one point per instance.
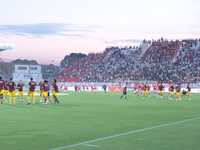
(1, 89)
(178, 89)
(11, 86)
(184, 93)
(55, 91)
(6, 91)
(45, 91)
(41, 89)
(160, 92)
(32, 85)
(189, 90)
(172, 91)
(20, 86)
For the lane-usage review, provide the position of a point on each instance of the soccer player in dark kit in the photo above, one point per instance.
(20, 86)
(160, 92)
(41, 89)
(1, 89)
(55, 91)
(124, 92)
(45, 91)
(6, 91)
(11, 86)
(32, 85)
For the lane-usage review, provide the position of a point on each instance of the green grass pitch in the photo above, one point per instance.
(100, 115)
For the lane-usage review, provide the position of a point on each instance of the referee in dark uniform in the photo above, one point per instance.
(124, 92)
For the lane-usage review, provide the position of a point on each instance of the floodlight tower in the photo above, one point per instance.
(4, 47)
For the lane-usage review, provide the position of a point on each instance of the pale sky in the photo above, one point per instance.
(51, 29)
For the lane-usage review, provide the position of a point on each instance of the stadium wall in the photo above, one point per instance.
(119, 86)
(25, 72)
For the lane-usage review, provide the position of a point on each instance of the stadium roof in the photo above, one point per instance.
(4, 47)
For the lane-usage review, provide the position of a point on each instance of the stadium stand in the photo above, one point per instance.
(161, 60)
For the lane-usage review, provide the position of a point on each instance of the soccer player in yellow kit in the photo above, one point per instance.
(6, 91)
(55, 91)
(41, 89)
(11, 86)
(1, 89)
(20, 86)
(32, 85)
(160, 92)
(45, 91)
(178, 89)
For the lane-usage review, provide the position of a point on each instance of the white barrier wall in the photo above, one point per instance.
(25, 72)
(26, 77)
(27, 69)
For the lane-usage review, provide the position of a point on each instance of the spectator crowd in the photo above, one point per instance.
(160, 60)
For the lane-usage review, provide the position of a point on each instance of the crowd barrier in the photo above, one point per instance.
(130, 89)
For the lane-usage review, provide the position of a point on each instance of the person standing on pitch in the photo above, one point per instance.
(160, 92)
(124, 92)
(11, 86)
(32, 85)
(49, 86)
(6, 91)
(55, 91)
(20, 86)
(189, 90)
(41, 89)
(45, 91)
(1, 89)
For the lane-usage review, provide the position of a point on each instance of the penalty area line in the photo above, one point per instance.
(122, 134)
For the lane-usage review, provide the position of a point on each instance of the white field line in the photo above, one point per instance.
(118, 135)
(91, 145)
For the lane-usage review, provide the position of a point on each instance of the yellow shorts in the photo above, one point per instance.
(160, 92)
(20, 93)
(41, 92)
(172, 93)
(1, 91)
(5, 92)
(45, 94)
(178, 93)
(31, 93)
(12, 93)
(189, 92)
(145, 92)
(55, 94)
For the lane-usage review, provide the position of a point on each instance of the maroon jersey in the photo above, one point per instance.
(20, 87)
(41, 86)
(172, 88)
(145, 88)
(189, 88)
(45, 87)
(178, 89)
(6, 86)
(55, 87)
(32, 85)
(160, 87)
(11, 86)
(2, 85)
